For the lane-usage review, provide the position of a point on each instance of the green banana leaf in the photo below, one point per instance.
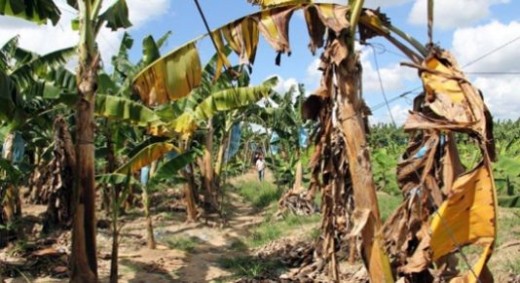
(38, 11)
(170, 167)
(146, 156)
(116, 16)
(122, 109)
(220, 101)
(232, 98)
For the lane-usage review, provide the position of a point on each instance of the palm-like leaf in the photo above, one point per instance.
(122, 109)
(146, 156)
(170, 167)
(38, 11)
(219, 101)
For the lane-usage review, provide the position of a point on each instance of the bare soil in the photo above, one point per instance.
(208, 242)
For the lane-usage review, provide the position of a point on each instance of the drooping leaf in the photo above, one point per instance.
(38, 11)
(274, 26)
(122, 109)
(146, 156)
(230, 99)
(62, 78)
(150, 50)
(272, 3)
(29, 65)
(116, 16)
(221, 54)
(8, 97)
(466, 217)
(171, 77)
(169, 168)
(242, 37)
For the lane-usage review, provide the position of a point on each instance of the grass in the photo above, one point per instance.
(271, 229)
(508, 218)
(387, 204)
(251, 267)
(259, 194)
(183, 243)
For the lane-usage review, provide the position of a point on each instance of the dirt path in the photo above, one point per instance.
(208, 241)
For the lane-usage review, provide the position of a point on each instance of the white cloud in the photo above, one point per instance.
(141, 11)
(399, 115)
(452, 14)
(284, 85)
(313, 75)
(502, 92)
(46, 38)
(502, 95)
(394, 77)
(469, 44)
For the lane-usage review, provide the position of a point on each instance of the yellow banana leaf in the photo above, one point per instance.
(315, 28)
(242, 36)
(146, 156)
(370, 19)
(273, 3)
(185, 125)
(171, 77)
(334, 16)
(467, 217)
(222, 59)
(274, 26)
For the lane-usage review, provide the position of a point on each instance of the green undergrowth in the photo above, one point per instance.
(388, 204)
(259, 194)
(251, 267)
(183, 243)
(272, 229)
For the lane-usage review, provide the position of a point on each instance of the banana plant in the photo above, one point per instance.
(90, 19)
(23, 86)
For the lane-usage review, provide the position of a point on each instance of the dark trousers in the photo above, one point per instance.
(261, 175)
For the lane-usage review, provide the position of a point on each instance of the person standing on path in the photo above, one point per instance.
(260, 167)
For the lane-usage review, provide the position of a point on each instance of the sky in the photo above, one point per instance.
(484, 36)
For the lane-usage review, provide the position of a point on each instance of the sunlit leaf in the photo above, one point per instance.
(122, 109)
(116, 16)
(169, 168)
(467, 216)
(146, 156)
(38, 11)
(171, 77)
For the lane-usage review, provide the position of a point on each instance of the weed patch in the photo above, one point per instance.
(259, 194)
(252, 267)
(187, 244)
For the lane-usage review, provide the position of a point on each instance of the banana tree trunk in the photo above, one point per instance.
(150, 239)
(210, 186)
(366, 213)
(83, 262)
(111, 166)
(60, 193)
(114, 268)
(224, 145)
(11, 200)
(189, 198)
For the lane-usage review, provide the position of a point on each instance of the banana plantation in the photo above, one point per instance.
(146, 171)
